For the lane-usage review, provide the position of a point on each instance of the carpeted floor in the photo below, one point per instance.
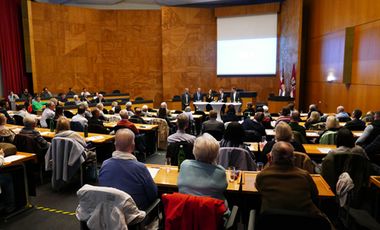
(55, 210)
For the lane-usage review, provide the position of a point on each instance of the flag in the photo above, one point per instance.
(281, 91)
(293, 82)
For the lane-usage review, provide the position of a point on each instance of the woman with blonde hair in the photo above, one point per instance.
(314, 118)
(283, 132)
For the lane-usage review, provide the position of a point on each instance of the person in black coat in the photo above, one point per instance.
(185, 99)
(356, 124)
(230, 115)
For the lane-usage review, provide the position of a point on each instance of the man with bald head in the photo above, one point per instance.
(125, 123)
(125, 173)
(284, 186)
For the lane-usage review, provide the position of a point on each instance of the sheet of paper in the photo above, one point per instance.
(9, 159)
(94, 138)
(153, 172)
(324, 150)
(44, 133)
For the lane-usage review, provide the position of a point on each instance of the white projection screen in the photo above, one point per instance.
(247, 45)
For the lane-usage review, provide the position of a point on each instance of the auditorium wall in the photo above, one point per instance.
(97, 49)
(326, 23)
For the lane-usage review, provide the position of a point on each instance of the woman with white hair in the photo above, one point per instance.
(77, 100)
(210, 178)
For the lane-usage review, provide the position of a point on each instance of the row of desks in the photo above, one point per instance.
(245, 183)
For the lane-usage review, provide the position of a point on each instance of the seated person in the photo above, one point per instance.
(37, 104)
(128, 107)
(370, 132)
(46, 93)
(58, 113)
(372, 150)
(230, 114)
(77, 100)
(255, 124)
(341, 114)
(7, 194)
(80, 117)
(125, 123)
(30, 123)
(63, 130)
(356, 124)
(249, 111)
(283, 186)
(294, 118)
(124, 172)
(283, 132)
(6, 134)
(210, 178)
(234, 137)
(62, 98)
(285, 115)
(267, 117)
(137, 116)
(368, 117)
(102, 111)
(189, 113)
(313, 107)
(95, 125)
(181, 135)
(113, 106)
(48, 113)
(162, 113)
(332, 124)
(87, 110)
(314, 118)
(145, 111)
(345, 143)
(212, 125)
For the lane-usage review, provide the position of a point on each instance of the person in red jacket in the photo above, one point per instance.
(125, 123)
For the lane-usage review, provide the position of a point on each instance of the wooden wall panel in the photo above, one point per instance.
(247, 9)
(189, 55)
(98, 49)
(325, 52)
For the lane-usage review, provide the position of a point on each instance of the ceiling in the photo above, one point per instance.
(154, 4)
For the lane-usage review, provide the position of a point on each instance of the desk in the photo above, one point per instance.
(168, 179)
(249, 178)
(311, 133)
(144, 127)
(318, 149)
(20, 159)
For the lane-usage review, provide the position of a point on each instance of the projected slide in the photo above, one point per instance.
(247, 45)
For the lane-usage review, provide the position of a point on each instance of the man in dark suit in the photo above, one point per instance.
(185, 99)
(356, 124)
(222, 96)
(213, 127)
(198, 96)
(235, 96)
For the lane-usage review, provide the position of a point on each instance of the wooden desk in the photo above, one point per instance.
(311, 133)
(249, 179)
(168, 179)
(24, 157)
(318, 149)
(144, 127)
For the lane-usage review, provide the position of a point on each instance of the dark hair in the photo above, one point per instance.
(81, 109)
(260, 109)
(291, 106)
(2, 103)
(231, 109)
(95, 113)
(234, 133)
(213, 114)
(259, 116)
(162, 113)
(357, 113)
(285, 111)
(345, 138)
(117, 109)
(58, 112)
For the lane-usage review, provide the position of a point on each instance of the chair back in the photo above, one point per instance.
(18, 120)
(298, 137)
(139, 99)
(357, 166)
(237, 157)
(196, 212)
(163, 132)
(116, 91)
(97, 203)
(76, 126)
(285, 219)
(328, 138)
(68, 114)
(252, 136)
(303, 161)
(173, 150)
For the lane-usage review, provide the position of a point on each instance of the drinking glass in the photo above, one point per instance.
(260, 166)
(168, 164)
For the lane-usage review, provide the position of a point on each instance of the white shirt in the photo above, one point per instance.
(80, 118)
(46, 114)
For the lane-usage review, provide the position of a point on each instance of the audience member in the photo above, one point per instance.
(137, 116)
(181, 135)
(283, 186)
(356, 124)
(48, 113)
(80, 117)
(213, 125)
(341, 115)
(3, 110)
(285, 115)
(77, 100)
(70, 92)
(46, 94)
(12, 97)
(332, 124)
(283, 132)
(99, 98)
(102, 111)
(95, 124)
(125, 123)
(312, 108)
(87, 111)
(234, 136)
(368, 117)
(294, 118)
(230, 114)
(30, 123)
(124, 172)
(25, 94)
(62, 98)
(189, 114)
(85, 93)
(6, 135)
(210, 178)
(314, 118)
(255, 124)
(63, 130)
(249, 111)
(145, 111)
(128, 107)
(38, 105)
(370, 132)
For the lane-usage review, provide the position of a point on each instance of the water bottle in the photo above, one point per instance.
(51, 125)
(85, 129)
(181, 156)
